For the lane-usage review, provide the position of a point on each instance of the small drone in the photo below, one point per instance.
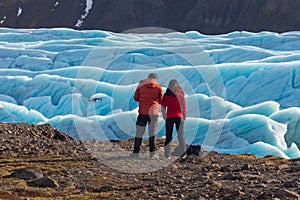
(95, 99)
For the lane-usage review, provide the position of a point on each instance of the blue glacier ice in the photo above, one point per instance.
(242, 89)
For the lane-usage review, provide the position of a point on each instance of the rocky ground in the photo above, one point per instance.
(39, 162)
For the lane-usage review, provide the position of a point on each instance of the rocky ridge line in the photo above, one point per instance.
(205, 16)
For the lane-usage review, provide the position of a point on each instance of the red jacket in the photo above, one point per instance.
(149, 95)
(174, 105)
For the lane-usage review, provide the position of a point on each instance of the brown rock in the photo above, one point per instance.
(226, 168)
(265, 195)
(282, 167)
(284, 193)
(28, 174)
(238, 193)
(217, 184)
(246, 167)
(292, 184)
(5, 194)
(105, 188)
(44, 182)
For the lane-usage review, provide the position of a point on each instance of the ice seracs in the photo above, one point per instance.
(241, 88)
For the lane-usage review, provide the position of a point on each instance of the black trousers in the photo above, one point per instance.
(141, 123)
(179, 124)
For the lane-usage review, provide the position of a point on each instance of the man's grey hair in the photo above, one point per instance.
(152, 75)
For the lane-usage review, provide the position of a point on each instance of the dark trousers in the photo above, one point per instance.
(179, 124)
(141, 123)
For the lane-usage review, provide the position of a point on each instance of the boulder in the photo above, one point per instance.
(44, 182)
(28, 174)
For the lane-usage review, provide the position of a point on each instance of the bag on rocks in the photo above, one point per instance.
(190, 149)
(193, 149)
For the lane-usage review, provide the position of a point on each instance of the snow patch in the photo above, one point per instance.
(3, 20)
(89, 6)
(20, 10)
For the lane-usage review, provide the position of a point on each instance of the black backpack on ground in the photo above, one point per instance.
(193, 149)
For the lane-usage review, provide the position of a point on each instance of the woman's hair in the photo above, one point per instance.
(173, 85)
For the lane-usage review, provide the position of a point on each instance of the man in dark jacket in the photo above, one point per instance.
(149, 95)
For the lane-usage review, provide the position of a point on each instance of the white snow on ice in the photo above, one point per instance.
(242, 89)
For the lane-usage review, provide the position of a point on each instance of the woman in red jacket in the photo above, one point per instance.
(174, 112)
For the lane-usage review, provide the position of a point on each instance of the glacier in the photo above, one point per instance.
(242, 89)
